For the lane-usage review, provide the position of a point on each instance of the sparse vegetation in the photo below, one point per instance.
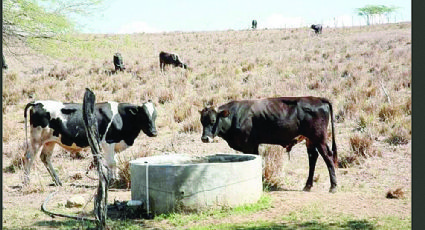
(350, 66)
(179, 220)
(361, 145)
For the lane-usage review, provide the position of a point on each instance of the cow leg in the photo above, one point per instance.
(46, 155)
(255, 150)
(312, 159)
(162, 66)
(29, 160)
(327, 156)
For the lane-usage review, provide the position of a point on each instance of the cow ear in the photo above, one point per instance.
(225, 113)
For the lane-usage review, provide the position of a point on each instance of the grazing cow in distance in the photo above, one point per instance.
(317, 28)
(254, 24)
(284, 121)
(170, 59)
(118, 63)
(54, 122)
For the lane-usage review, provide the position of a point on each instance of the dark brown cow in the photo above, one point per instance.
(282, 121)
(170, 59)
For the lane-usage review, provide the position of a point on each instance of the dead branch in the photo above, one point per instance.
(90, 124)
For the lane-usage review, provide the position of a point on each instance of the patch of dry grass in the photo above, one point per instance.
(272, 166)
(123, 164)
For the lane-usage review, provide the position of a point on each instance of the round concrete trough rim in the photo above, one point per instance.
(173, 182)
(178, 159)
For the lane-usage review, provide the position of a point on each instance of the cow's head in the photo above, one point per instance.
(148, 123)
(213, 123)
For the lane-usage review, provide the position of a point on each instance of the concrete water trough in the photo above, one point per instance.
(179, 182)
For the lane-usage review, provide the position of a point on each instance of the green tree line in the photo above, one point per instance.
(369, 11)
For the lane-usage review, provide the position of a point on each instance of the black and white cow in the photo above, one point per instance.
(284, 121)
(317, 28)
(54, 122)
(170, 59)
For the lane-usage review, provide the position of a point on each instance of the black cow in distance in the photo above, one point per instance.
(170, 59)
(317, 28)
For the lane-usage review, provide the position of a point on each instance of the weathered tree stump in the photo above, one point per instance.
(90, 124)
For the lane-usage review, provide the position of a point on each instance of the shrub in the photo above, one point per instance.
(361, 145)
(192, 124)
(124, 175)
(182, 111)
(348, 161)
(361, 148)
(361, 124)
(273, 163)
(398, 136)
(16, 163)
(165, 96)
(395, 194)
(387, 112)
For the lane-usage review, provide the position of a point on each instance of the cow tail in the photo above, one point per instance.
(335, 154)
(25, 121)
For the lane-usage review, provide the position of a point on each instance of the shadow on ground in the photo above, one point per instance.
(352, 224)
(139, 223)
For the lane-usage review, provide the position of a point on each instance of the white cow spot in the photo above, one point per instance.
(54, 108)
(151, 109)
(114, 109)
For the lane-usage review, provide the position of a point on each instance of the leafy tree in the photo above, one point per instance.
(42, 18)
(388, 10)
(369, 11)
(31, 21)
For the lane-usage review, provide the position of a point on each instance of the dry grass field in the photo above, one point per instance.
(364, 71)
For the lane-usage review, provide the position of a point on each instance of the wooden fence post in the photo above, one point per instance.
(90, 124)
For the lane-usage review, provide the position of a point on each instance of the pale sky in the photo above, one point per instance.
(136, 16)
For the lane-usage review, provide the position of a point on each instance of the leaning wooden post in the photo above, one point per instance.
(90, 124)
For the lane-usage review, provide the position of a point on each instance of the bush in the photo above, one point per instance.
(387, 112)
(192, 124)
(273, 164)
(16, 163)
(361, 145)
(124, 175)
(361, 148)
(348, 161)
(398, 136)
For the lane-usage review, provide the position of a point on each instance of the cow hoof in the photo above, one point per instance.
(307, 188)
(332, 190)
